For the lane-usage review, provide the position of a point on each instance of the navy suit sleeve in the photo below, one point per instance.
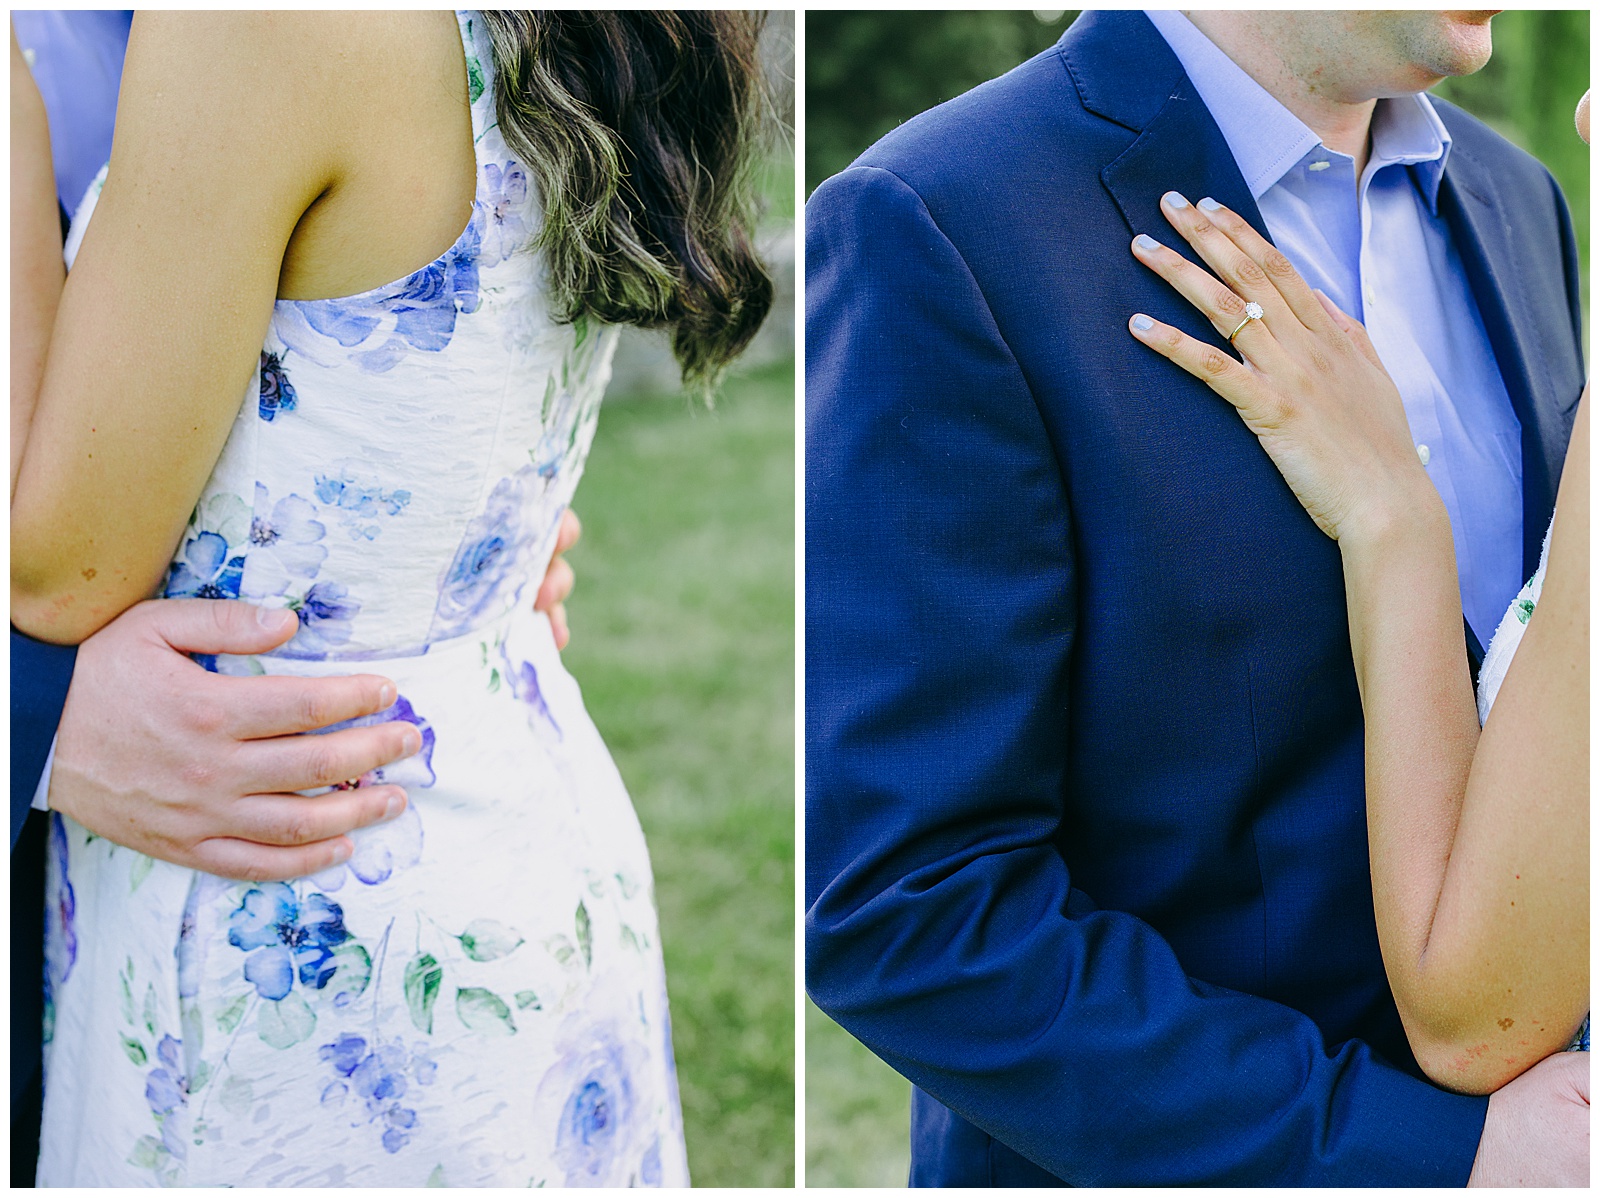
(40, 676)
(943, 929)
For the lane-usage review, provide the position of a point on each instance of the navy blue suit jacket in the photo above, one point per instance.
(40, 676)
(1085, 843)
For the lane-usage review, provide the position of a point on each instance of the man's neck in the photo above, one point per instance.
(1343, 126)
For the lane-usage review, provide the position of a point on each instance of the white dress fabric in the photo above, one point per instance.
(1497, 660)
(477, 997)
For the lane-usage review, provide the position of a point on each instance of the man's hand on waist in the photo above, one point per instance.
(156, 753)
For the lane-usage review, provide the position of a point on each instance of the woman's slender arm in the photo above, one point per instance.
(221, 145)
(1479, 845)
(36, 270)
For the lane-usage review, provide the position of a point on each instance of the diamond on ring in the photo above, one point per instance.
(1252, 311)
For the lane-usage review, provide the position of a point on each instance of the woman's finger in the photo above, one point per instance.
(571, 529)
(1229, 379)
(1350, 326)
(1274, 266)
(1224, 309)
(556, 587)
(1232, 265)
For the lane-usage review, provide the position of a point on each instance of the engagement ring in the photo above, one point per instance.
(1252, 311)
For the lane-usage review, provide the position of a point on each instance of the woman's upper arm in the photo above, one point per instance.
(225, 135)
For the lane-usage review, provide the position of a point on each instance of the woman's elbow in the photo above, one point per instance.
(1481, 1061)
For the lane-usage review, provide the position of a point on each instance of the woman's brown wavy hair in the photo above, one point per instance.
(641, 131)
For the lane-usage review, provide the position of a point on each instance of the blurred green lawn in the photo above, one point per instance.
(858, 1111)
(683, 642)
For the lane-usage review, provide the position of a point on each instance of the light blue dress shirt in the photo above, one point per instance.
(76, 58)
(1378, 247)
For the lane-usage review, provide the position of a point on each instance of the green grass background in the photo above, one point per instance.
(683, 642)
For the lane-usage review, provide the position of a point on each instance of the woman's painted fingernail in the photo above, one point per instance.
(1173, 200)
(1143, 323)
(1146, 243)
(1209, 204)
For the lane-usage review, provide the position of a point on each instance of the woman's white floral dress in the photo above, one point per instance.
(1502, 647)
(477, 998)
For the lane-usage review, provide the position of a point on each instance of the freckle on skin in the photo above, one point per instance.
(88, 575)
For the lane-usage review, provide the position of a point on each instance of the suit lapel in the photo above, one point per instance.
(1125, 72)
(1470, 207)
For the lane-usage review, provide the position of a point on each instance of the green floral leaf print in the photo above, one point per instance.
(202, 1074)
(629, 887)
(353, 969)
(228, 1018)
(147, 1153)
(135, 1051)
(488, 940)
(1524, 609)
(494, 681)
(632, 939)
(526, 999)
(193, 1025)
(474, 80)
(585, 934)
(226, 515)
(484, 1011)
(150, 1008)
(125, 980)
(253, 664)
(287, 1022)
(139, 871)
(423, 977)
(561, 949)
(436, 1178)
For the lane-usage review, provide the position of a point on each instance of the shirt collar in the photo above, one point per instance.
(1267, 139)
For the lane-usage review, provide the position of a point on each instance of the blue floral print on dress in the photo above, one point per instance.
(281, 933)
(60, 912)
(325, 613)
(165, 1087)
(503, 195)
(285, 545)
(277, 393)
(419, 312)
(484, 578)
(524, 681)
(359, 505)
(209, 570)
(383, 849)
(379, 1078)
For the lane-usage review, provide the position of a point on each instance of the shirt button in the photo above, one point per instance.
(1320, 166)
(1424, 453)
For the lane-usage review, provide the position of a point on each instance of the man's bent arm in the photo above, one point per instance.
(40, 676)
(943, 929)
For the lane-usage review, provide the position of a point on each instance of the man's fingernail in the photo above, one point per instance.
(386, 694)
(393, 806)
(1143, 323)
(1209, 204)
(1173, 200)
(412, 741)
(275, 619)
(343, 853)
(1146, 243)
